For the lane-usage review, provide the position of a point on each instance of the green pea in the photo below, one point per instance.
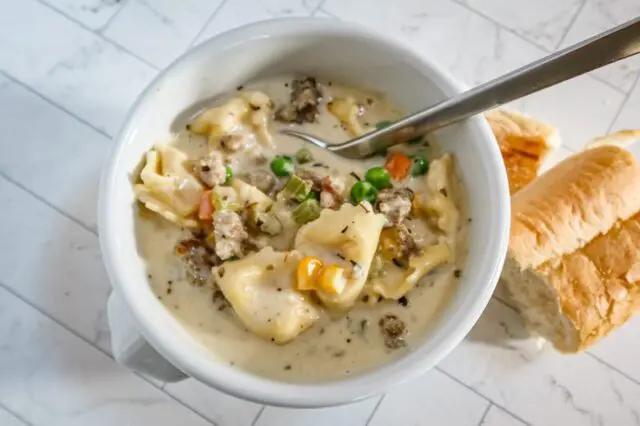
(363, 191)
(282, 166)
(228, 174)
(382, 124)
(378, 177)
(304, 156)
(420, 166)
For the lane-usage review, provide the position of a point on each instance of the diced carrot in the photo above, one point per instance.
(206, 206)
(398, 165)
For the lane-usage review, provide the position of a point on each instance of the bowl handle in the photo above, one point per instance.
(131, 350)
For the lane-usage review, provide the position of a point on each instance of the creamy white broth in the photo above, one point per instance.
(337, 345)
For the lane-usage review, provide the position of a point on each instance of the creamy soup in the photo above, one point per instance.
(289, 261)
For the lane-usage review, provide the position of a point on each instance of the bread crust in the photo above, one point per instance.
(577, 230)
(524, 143)
(621, 138)
(580, 198)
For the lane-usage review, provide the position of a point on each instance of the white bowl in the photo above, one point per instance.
(331, 49)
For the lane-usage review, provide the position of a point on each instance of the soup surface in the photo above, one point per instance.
(289, 261)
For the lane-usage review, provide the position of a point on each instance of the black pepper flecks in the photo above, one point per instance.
(239, 88)
(344, 229)
(287, 367)
(403, 301)
(457, 273)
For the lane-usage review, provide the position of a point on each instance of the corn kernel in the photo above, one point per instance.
(333, 280)
(308, 273)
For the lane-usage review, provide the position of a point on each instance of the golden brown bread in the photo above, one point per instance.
(524, 143)
(573, 266)
(622, 138)
(578, 199)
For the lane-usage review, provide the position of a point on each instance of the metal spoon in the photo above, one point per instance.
(595, 52)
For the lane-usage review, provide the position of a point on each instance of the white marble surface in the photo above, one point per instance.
(69, 70)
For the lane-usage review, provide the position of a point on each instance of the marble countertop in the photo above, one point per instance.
(70, 69)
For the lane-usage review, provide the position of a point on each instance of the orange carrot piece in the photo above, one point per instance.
(206, 206)
(398, 165)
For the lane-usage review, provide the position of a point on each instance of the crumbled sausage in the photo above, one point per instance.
(198, 260)
(395, 204)
(304, 101)
(234, 142)
(261, 179)
(334, 185)
(406, 243)
(229, 234)
(315, 177)
(393, 330)
(211, 169)
(332, 194)
(329, 200)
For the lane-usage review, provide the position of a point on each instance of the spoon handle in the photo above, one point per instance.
(603, 49)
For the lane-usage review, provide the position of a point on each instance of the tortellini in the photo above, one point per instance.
(349, 235)
(347, 111)
(435, 202)
(240, 116)
(167, 187)
(398, 281)
(438, 200)
(261, 291)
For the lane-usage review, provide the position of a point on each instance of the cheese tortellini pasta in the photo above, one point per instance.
(347, 111)
(398, 282)
(167, 187)
(435, 202)
(246, 116)
(261, 291)
(438, 199)
(347, 237)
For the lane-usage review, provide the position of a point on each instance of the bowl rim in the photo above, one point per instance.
(253, 387)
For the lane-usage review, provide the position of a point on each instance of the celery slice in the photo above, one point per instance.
(296, 189)
(307, 211)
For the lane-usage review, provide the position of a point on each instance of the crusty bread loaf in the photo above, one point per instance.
(573, 265)
(622, 138)
(524, 143)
